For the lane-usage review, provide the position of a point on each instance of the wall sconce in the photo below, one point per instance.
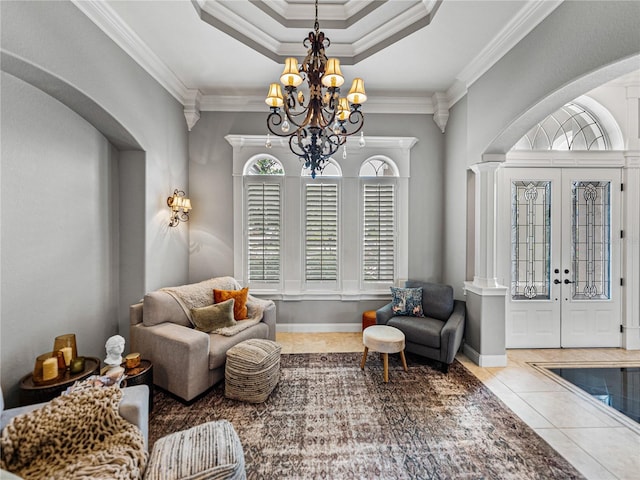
(180, 206)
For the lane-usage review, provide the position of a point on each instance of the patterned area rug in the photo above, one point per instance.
(327, 419)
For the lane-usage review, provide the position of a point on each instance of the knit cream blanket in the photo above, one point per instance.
(200, 294)
(76, 436)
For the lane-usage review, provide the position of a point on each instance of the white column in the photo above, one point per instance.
(485, 330)
(486, 203)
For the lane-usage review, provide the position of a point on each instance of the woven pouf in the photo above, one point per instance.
(252, 370)
(211, 450)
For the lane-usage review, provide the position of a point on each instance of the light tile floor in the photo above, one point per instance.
(601, 443)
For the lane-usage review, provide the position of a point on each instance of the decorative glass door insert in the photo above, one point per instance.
(530, 240)
(591, 240)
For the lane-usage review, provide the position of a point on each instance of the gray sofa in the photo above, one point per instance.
(187, 362)
(439, 333)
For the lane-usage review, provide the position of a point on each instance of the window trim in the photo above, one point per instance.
(247, 147)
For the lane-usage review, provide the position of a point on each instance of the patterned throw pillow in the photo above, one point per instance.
(210, 318)
(407, 301)
(240, 296)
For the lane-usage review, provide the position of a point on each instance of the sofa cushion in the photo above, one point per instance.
(406, 301)
(240, 297)
(423, 331)
(437, 299)
(210, 318)
(159, 307)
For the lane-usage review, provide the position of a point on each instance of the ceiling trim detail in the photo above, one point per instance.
(115, 28)
(437, 103)
(222, 16)
(519, 27)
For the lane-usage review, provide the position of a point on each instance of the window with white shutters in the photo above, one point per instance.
(378, 232)
(321, 231)
(263, 232)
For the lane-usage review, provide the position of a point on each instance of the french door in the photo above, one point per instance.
(559, 253)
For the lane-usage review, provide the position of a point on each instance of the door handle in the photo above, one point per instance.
(567, 281)
(556, 281)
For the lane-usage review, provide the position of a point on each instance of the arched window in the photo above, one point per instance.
(264, 165)
(263, 220)
(331, 169)
(378, 167)
(572, 127)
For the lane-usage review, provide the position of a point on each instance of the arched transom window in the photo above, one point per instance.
(572, 127)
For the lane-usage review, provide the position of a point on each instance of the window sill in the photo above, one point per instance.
(320, 295)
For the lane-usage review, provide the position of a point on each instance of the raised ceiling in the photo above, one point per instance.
(416, 56)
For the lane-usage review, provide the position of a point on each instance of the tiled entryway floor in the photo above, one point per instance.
(601, 443)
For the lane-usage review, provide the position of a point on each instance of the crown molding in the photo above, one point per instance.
(422, 105)
(520, 26)
(114, 27)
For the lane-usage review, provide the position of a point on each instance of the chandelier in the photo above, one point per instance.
(325, 121)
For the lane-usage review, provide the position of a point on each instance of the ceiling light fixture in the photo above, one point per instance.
(322, 124)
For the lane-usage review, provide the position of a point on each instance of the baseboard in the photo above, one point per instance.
(485, 360)
(318, 327)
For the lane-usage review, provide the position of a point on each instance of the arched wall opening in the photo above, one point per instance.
(73, 190)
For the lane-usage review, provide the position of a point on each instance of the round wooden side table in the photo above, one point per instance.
(141, 375)
(31, 393)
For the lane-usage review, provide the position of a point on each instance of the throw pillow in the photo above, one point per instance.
(210, 318)
(240, 296)
(407, 301)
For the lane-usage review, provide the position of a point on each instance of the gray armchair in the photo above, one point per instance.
(439, 333)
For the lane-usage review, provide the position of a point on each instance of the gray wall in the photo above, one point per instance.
(59, 230)
(210, 167)
(455, 204)
(61, 276)
(559, 60)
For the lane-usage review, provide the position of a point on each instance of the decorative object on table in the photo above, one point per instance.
(114, 347)
(67, 345)
(35, 392)
(46, 369)
(325, 122)
(252, 370)
(132, 360)
(77, 365)
(180, 206)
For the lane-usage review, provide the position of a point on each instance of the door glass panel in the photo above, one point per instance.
(591, 240)
(530, 240)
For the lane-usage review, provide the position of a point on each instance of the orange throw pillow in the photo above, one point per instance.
(240, 297)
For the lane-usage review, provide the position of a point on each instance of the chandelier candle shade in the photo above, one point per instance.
(322, 122)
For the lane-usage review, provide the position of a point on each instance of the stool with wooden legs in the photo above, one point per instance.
(386, 340)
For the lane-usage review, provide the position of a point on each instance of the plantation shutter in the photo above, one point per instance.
(263, 232)
(321, 232)
(379, 232)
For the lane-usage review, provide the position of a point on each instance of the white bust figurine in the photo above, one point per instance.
(114, 347)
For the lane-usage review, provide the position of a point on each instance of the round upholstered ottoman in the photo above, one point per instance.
(252, 370)
(386, 340)
(209, 450)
